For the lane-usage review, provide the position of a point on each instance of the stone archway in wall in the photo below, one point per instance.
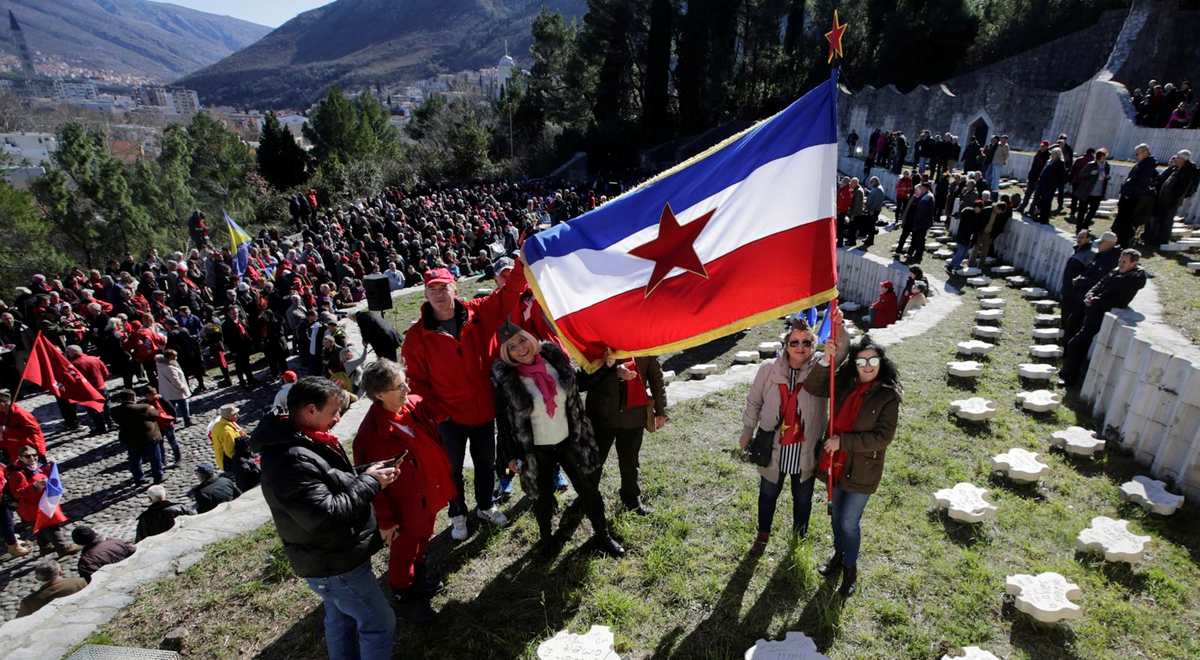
(979, 126)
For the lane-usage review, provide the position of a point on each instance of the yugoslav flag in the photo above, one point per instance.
(239, 245)
(736, 236)
(48, 513)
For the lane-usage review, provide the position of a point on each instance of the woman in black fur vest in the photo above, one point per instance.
(541, 422)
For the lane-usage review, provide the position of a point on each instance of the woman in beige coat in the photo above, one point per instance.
(777, 400)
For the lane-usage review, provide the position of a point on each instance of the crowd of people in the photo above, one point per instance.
(1166, 106)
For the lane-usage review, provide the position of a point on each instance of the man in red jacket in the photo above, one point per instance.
(449, 353)
(26, 482)
(94, 371)
(19, 428)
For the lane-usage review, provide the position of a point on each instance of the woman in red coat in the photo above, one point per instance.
(885, 310)
(408, 508)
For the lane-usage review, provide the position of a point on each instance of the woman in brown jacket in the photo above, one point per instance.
(778, 400)
(617, 404)
(866, 412)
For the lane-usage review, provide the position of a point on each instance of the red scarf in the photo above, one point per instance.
(543, 381)
(843, 422)
(792, 430)
(327, 439)
(635, 388)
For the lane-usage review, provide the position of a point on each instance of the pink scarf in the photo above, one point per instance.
(543, 380)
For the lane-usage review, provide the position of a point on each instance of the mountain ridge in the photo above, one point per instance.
(135, 37)
(361, 42)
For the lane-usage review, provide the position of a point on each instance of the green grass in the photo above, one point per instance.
(688, 588)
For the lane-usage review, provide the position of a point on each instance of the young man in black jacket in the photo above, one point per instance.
(321, 505)
(1117, 289)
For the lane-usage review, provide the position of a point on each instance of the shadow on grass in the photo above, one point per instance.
(702, 354)
(961, 383)
(714, 636)
(960, 533)
(1120, 572)
(1026, 491)
(1039, 640)
(971, 429)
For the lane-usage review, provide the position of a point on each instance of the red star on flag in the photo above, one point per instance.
(673, 248)
(835, 37)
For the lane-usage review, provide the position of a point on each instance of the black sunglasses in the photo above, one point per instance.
(808, 343)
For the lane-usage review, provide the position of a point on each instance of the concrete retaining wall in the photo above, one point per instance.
(859, 275)
(1149, 399)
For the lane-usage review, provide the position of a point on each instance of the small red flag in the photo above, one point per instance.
(50, 370)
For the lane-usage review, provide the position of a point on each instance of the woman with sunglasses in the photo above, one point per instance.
(866, 412)
(779, 400)
(399, 424)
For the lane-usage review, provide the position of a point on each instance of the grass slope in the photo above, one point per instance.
(688, 589)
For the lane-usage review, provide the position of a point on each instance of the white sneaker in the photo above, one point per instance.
(458, 528)
(492, 515)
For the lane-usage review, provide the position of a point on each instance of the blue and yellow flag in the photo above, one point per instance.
(239, 245)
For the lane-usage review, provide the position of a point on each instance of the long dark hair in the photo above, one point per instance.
(847, 374)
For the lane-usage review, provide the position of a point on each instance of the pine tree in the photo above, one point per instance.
(281, 161)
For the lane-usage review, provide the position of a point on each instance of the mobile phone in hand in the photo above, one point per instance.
(400, 459)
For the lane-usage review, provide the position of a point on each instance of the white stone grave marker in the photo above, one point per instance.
(1194, 266)
(1045, 597)
(968, 369)
(596, 644)
(1046, 351)
(1113, 539)
(993, 303)
(1003, 271)
(988, 290)
(1045, 320)
(965, 502)
(974, 409)
(986, 331)
(769, 348)
(1044, 306)
(1036, 371)
(795, 646)
(971, 653)
(1077, 441)
(979, 280)
(745, 357)
(1152, 494)
(968, 272)
(1048, 333)
(989, 315)
(974, 347)
(702, 371)
(1039, 400)
(1020, 465)
(1017, 281)
(943, 254)
(668, 377)
(1033, 292)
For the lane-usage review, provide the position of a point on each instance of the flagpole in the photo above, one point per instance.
(834, 37)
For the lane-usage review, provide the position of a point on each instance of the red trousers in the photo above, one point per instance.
(408, 550)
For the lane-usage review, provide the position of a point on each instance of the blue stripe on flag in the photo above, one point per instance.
(808, 122)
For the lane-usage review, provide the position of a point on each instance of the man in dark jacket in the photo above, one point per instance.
(138, 430)
(99, 551)
(1117, 289)
(239, 342)
(922, 220)
(191, 360)
(322, 509)
(1088, 188)
(1053, 176)
(160, 516)
(1076, 264)
(1173, 185)
(1136, 203)
(213, 488)
(377, 333)
(964, 237)
(1040, 158)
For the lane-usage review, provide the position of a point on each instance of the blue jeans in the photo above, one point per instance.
(6, 526)
(921, 163)
(182, 408)
(152, 453)
(960, 252)
(169, 438)
(359, 624)
(482, 439)
(989, 175)
(847, 530)
(768, 497)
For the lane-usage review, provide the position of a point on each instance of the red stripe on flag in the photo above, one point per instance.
(49, 369)
(772, 272)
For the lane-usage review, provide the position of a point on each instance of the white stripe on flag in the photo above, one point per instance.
(778, 196)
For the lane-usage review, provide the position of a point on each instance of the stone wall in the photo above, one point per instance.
(1149, 399)
(859, 275)
(1163, 48)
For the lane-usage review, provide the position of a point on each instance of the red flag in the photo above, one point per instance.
(49, 369)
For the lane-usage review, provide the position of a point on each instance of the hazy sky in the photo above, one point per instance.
(272, 13)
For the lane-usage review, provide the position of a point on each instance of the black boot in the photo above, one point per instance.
(413, 606)
(849, 581)
(828, 568)
(547, 545)
(606, 544)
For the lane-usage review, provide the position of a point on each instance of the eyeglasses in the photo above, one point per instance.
(402, 387)
(867, 362)
(807, 343)
(28, 455)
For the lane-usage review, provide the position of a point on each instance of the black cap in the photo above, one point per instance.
(508, 331)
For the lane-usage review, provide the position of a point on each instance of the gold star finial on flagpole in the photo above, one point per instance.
(834, 37)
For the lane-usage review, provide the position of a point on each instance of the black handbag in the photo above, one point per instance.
(761, 446)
